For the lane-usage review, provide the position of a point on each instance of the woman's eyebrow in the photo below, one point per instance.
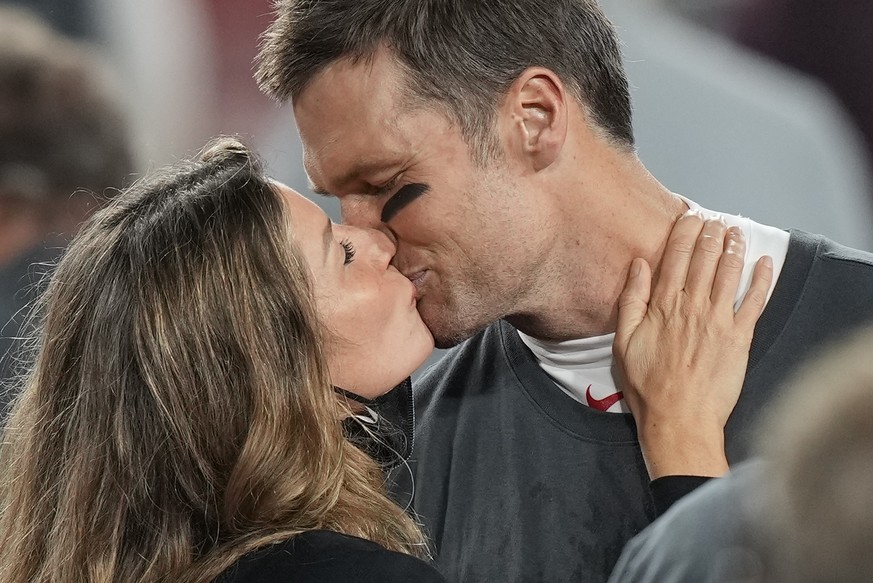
(401, 198)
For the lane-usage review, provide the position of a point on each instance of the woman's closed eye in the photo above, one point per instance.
(349, 250)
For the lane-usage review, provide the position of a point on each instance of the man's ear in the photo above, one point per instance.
(536, 111)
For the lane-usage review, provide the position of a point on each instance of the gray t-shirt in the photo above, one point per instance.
(516, 482)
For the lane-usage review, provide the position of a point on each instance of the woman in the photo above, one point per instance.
(182, 422)
(180, 412)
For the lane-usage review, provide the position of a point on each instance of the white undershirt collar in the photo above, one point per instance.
(582, 368)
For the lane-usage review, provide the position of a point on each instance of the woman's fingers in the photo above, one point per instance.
(677, 256)
(730, 269)
(708, 251)
(753, 304)
(680, 349)
(633, 301)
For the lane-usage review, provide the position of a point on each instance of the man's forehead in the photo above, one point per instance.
(354, 119)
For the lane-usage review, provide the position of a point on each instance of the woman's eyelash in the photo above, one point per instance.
(350, 251)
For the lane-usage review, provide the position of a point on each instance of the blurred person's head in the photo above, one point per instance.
(63, 139)
(181, 410)
(818, 515)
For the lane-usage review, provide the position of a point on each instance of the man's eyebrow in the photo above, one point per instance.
(401, 198)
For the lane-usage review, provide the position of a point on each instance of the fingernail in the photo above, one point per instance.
(768, 261)
(732, 239)
(735, 238)
(636, 267)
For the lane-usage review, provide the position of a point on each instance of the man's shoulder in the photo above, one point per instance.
(832, 269)
(835, 252)
(830, 252)
(817, 270)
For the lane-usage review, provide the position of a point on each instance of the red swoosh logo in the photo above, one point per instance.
(604, 403)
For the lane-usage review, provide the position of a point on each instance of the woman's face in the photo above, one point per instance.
(375, 337)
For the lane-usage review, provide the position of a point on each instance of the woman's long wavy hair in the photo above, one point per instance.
(179, 412)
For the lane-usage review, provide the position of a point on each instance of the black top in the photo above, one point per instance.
(321, 556)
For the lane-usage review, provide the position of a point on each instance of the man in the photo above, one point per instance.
(63, 140)
(492, 140)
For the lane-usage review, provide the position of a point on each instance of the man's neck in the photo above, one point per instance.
(600, 233)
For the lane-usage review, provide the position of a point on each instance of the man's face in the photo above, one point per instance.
(463, 230)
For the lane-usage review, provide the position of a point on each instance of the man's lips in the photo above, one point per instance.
(418, 279)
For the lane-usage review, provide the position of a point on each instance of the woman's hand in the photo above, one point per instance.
(680, 348)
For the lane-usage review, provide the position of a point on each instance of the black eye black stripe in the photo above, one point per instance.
(401, 198)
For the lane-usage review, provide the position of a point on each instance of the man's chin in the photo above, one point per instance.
(449, 333)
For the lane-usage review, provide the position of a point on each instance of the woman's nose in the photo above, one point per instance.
(383, 248)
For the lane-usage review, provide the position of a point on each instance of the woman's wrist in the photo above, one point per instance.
(689, 450)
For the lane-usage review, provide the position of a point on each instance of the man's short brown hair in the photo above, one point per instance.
(461, 54)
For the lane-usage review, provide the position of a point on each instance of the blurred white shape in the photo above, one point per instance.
(163, 50)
